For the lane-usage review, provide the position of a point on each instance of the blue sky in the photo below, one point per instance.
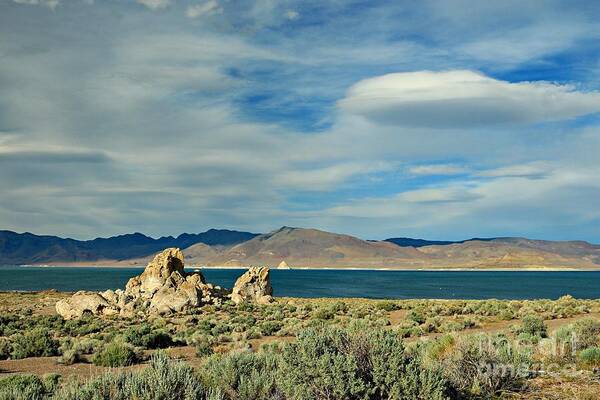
(436, 119)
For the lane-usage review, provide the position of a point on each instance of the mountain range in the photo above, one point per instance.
(300, 247)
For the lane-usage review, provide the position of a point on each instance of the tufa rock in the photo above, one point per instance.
(163, 288)
(253, 286)
(283, 265)
(82, 303)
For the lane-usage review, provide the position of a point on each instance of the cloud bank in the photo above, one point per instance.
(380, 120)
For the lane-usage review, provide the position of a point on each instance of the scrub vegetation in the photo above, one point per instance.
(307, 349)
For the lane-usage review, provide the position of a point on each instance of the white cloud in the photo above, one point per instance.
(463, 99)
(209, 7)
(328, 177)
(51, 4)
(528, 170)
(155, 4)
(156, 128)
(437, 169)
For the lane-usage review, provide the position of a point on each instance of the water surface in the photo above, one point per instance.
(337, 283)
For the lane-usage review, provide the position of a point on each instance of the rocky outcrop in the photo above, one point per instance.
(253, 286)
(82, 303)
(283, 265)
(164, 287)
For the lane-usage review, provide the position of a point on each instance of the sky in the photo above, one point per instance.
(429, 119)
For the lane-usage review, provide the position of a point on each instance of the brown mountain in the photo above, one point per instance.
(299, 248)
(313, 248)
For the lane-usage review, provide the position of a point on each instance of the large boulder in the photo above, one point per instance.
(82, 303)
(253, 286)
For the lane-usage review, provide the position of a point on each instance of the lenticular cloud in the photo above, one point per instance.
(463, 99)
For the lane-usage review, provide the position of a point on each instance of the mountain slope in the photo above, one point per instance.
(27, 248)
(300, 247)
(313, 248)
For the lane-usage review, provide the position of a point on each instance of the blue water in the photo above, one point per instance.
(335, 283)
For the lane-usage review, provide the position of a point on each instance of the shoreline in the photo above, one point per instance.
(390, 269)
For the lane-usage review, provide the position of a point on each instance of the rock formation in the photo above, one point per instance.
(283, 265)
(253, 286)
(82, 303)
(164, 287)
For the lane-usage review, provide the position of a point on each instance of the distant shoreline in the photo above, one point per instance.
(442, 269)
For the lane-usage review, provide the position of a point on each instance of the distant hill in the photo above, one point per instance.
(300, 247)
(27, 248)
(307, 247)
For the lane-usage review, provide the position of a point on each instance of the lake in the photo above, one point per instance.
(337, 283)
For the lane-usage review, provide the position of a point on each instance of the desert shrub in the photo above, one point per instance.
(220, 329)
(291, 308)
(323, 313)
(243, 322)
(590, 357)
(145, 336)
(205, 326)
(162, 379)
(253, 334)
(70, 357)
(245, 306)
(241, 376)
(485, 365)
(387, 306)
(83, 326)
(268, 328)
(415, 316)
(5, 348)
(115, 354)
(331, 363)
(19, 387)
(436, 349)
(36, 343)
(532, 326)
(203, 345)
(587, 332)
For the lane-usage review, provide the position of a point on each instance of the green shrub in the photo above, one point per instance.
(204, 346)
(115, 354)
(5, 348)
(36, 343)
(532, 325)
(354, 364)
(163, 379)
(323, 313)
(19, 387)
(485, 365)
(70, 357)
(387, 306)
(590, 357)
(83, 326)
(51, 382)
(148, 338)
(241, 376)
(415, 316)
(268, 328)
(587, 332)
